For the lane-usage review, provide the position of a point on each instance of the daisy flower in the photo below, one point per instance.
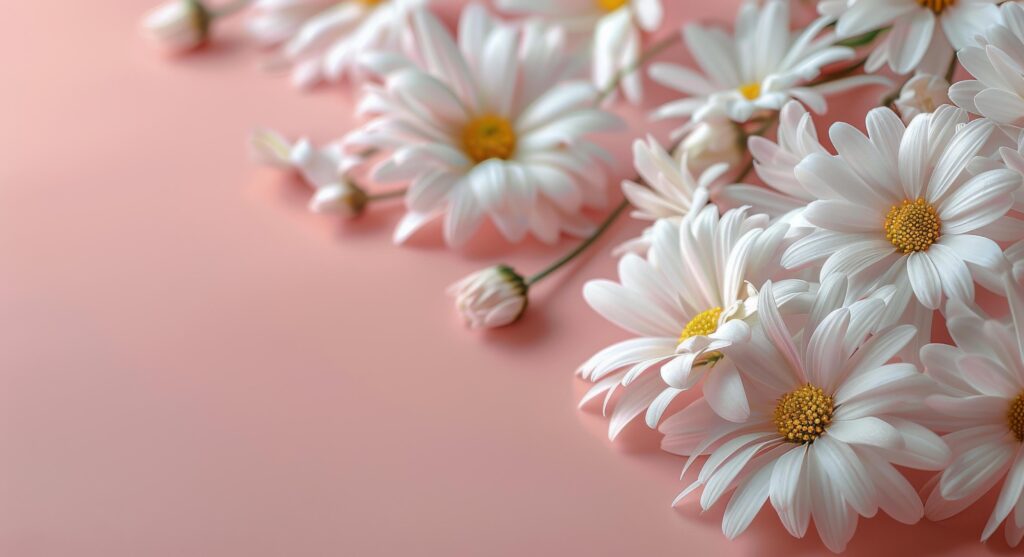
(685, 300)
(486, 127)
(668, 190)
(983, 403)
(996, 62)
(821, 437)
(617, 28)
(922, 34)
(321, 40)
(756, 71)
(774, 162)
(898, 207)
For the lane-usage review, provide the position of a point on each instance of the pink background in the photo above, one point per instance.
(193, 365)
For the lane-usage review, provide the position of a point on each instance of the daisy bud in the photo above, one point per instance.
(922, 94)
(178, 25)
(710, 143)
(341, 198)
(491, 298)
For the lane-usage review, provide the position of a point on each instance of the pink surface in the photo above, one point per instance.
(192, 365)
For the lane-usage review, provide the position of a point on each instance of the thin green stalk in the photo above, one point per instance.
(384, 196)
(228, 9)
(647, 56)
(608, 221)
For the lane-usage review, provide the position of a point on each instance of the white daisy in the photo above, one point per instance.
(486, 127)
(997, 64)
(685, 300)
(667, 190)
(821, 437)
(922, 94)
(983, 376)
(321, 40)
(921, 34)
(774, 163)
(756, 71)
(617, 28)
(898, 207)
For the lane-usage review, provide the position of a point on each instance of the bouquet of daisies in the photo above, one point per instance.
(781, 307)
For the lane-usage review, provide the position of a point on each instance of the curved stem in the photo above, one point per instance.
(228, 9)
(646, 57)
(605, 225)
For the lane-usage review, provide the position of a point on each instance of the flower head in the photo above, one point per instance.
(494, 297)
(617, 28)
(322, 40)
(324, 170)
(923, 33)
(756, 71)
(924, 93)
(689, 298)
(995, 61)
(178, 24)
(900, 206)
(486, 127)
(983, 405)
(822, 435)
(716, 141)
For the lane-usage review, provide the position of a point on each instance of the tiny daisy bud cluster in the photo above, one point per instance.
(803, 415)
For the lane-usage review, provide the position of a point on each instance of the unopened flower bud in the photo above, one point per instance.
(178, 25)
(710, 143)
(491, 298)
(922, 94)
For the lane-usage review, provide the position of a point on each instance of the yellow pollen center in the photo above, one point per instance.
(611, 5)
(489, 137)
(1015, 417)
(937, 6)
(912, 226)
(803, 415)
(705, 323)
(369, 3)
(750, 91)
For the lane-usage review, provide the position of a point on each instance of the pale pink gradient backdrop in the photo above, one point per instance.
(192, 365)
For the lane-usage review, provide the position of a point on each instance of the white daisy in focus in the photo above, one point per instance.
(668, 190)
(922, 34)
(997, 63)
(617, 28)
(486, 128)
(323, 169)
(687, 299)
(821, 438)
(756, 71)
(898, 206)
(774, 163)
(321, 40)
(983, 405)
(924, 93)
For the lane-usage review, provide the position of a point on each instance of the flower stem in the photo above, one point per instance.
(650, 54)
(605, 225)
(228, 9)
(384, 196)
(951, 71)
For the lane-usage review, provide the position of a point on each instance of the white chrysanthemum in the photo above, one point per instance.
(758, 70)
(775, 163)
(924, 93)
(821, 437)
(983, 406)
(616, 28)
(997, 63)
(922, 34)
(898, 207)
(687, 299)
(486, 127)
(323, 169)
(321, 40)
(668, 189)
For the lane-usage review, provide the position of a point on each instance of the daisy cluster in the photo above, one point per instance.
(782, 303)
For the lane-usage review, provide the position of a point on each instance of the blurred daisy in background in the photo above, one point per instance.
(757, 70)
(321, 40)
(616, 29)
(486, 127)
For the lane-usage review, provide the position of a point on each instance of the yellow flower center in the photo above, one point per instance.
(611, 5)
(705, 323)
(369, 3)
(750, 91)
(937, 6)
(489, 137)
(803, 415)
(912, 226)
(1015, 417)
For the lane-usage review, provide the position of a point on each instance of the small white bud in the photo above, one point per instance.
(491, 298)
(921, 95)
(712, 142)
(178, 25)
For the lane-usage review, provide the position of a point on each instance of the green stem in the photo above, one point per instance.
(951, 71)
(228, 9)
(646, 57)
(611, 218)
(384, 196)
